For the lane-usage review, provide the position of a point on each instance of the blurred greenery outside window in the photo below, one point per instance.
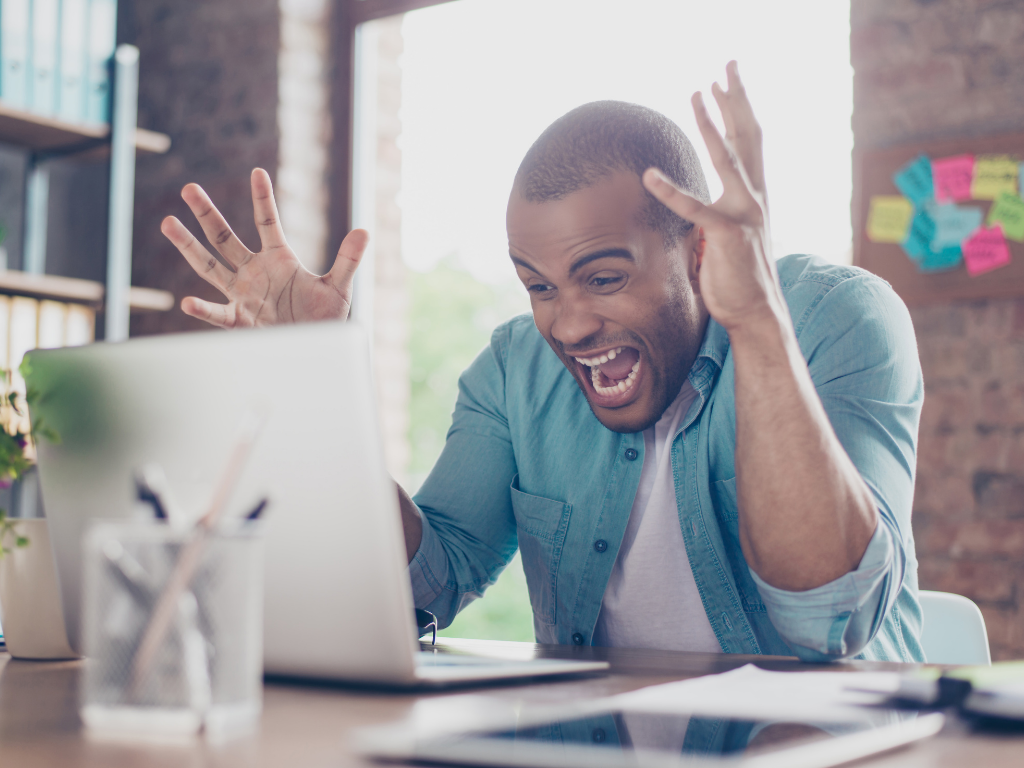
(451, 320)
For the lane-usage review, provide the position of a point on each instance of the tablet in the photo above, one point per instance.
(629, 738)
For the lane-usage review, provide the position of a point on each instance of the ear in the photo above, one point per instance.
(696, 257)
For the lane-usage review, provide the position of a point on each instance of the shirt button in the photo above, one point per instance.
(577, 638)
(600, 545)
(598, 735)
(631, 454)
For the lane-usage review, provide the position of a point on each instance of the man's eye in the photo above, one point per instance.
(605, 282)
(539, 288)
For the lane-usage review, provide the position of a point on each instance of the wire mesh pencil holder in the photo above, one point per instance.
(206, 672)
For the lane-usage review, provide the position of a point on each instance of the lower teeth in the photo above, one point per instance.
(619, 387)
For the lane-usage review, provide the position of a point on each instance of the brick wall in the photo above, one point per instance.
(948, 68)
(208, 78)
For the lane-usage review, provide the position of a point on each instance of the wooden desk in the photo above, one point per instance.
(309, 726)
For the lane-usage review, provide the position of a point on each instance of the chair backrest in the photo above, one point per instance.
(954, 630)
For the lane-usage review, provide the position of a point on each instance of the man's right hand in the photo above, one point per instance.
(265, 288)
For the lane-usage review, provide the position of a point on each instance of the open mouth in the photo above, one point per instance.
(613, 375)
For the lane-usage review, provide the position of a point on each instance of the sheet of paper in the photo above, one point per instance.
(993, 174)
(986, 250)
(889, 218)
(953, 224)
(940, 261)
(753, 693)
(919, 239)
(914, 180)
(952, 177)
(1008, 211)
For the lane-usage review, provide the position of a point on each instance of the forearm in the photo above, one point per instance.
(412, 523)
(806, 516)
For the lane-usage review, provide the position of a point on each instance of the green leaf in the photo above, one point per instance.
(21, 541)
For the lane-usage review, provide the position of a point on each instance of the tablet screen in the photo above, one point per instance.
(629, 738)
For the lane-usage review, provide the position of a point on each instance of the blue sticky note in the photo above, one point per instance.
(919, 238)
(914, 180)
(953, 224)
(940, 261)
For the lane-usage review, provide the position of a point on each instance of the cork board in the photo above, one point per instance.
(872, 175)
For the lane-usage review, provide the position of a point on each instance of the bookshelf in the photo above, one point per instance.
(38, 133)
(47, 139)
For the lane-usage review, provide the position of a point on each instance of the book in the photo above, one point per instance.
(14, 52)
(74, 58)
(43, 86)
(983, 691)
(52, 324)
(81, 326)
(23, 335)
(102, 40)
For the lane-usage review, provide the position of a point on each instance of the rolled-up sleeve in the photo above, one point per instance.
(838, 619)
(469, 530)
(861, 352)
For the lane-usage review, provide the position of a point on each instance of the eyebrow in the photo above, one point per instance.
(608, 253)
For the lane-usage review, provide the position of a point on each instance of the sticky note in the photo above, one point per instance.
(993, 174)
(940, 261)
(914, 180)
(986, 250)
(953, 224)
(1008, 211)
(889, 218)
(919, 238)
(952, 177)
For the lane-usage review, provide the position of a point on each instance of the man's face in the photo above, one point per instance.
(619, 308)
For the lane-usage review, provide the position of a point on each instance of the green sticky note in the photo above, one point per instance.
(1008, 210)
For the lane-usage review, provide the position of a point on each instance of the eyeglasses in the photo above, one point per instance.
(426, 620)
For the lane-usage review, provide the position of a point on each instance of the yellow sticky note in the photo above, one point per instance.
(889, 218)
(993, 175)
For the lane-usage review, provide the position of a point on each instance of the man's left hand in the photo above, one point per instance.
(737, 272)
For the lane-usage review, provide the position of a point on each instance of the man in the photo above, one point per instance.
(692, 446)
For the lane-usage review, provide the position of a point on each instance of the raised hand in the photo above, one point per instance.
(738, 281)
(265, 288)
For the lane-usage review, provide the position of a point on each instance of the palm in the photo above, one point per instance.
(268, 287)
(738, 281)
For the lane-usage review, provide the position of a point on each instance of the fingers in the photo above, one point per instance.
(264, 208)
(677, 201)
(349, 255)
(741, 127)
(215, 314)
(200, 259)
(722, 156)
(215, 226)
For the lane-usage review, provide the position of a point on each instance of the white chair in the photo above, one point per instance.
(954, 630)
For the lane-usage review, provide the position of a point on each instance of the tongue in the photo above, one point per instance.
(619, 368)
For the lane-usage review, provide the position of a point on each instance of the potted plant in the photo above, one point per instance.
(33, 621)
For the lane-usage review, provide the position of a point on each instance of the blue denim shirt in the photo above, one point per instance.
(527, 464)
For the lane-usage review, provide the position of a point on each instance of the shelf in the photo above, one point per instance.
(48, 134)
(74, 290)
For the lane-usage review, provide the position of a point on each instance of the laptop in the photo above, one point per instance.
(338, 603)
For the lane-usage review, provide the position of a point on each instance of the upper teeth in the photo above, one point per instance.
(603, 358)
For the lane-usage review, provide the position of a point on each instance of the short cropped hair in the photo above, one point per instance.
(595, 140)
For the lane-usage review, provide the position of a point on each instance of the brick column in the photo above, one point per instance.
(950, 68)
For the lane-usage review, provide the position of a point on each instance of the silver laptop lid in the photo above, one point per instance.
(338, 601)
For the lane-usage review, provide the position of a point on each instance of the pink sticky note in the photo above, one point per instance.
(952, 177)
(985, 250)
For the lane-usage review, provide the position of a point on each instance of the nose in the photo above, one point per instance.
(574, 321)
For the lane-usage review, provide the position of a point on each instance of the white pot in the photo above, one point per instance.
(33, 621)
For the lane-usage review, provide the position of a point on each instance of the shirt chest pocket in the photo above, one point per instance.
(541, 525)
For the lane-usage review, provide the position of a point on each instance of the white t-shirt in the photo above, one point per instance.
(651, 600)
